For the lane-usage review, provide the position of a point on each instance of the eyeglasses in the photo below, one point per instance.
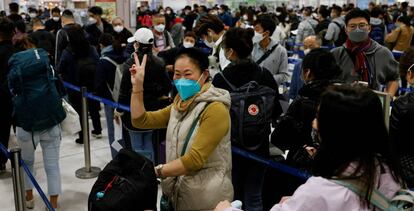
(360, 26)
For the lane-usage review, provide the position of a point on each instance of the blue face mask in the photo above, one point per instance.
(187, 88)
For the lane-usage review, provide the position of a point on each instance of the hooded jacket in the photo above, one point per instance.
(306, 28)
(381, 61)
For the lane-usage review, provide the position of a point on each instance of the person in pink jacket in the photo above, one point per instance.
(354, 144)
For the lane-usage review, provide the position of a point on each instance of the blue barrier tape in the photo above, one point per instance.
(30, 175)
(97, 98)
(276, 165)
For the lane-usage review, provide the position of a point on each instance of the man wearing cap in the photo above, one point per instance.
(157, 86)
(162, 38)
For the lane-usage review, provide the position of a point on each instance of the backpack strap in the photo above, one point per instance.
(377, 198)
(267, 54)
(190, 133)
(227, 81)
(110, 60)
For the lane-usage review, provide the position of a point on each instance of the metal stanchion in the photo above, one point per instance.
(88, 171)
(18, 185)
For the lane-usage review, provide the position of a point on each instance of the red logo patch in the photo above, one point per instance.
(253, 109)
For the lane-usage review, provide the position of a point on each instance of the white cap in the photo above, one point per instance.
(142, 35)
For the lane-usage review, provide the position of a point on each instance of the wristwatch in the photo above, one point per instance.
(158, 169)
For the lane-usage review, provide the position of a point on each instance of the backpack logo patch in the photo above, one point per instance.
(253, 109)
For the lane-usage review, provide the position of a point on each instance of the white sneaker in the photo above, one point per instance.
(30, 204)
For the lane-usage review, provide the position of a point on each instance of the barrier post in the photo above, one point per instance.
(88, 171)
(17, 176)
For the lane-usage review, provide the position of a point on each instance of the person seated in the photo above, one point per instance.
(349, 152)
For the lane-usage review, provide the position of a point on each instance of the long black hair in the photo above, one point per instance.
(352, 130)
(77, 41)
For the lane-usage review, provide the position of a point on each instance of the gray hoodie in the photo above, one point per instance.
(381, 62)
(333, 31)
(306, 28)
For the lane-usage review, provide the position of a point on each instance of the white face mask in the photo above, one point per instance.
(118, 29)
(257, 37)
(92, 20)
(159, 27)
(168, 12)
(209, 44)
(32, 15)
(306, 51)
(56, 19)
(278, 13)
(245, 17)
(188, 44)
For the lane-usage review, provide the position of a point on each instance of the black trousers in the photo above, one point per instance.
(93, 108)
(6, 109)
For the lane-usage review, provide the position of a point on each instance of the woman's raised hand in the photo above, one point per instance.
(138, 71)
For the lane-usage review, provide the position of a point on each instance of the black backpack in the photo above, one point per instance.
(85, 70)
(378, 33)
(342, 35)
(251, 112)
(127, 183)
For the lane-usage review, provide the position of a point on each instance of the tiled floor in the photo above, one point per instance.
(75, 191)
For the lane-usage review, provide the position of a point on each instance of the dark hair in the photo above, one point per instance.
(266, 22)
(404, 5)
(376, 12)
(20, 25)
(96, 10)
(406, 60)
(404, 19)
(263, 8)
(352, 129)
(77, 40)
(337, 10)
(56, 10)
(308, 10)
(67, 14)
(23, 43)
(195, 55)
(6, 29)
(208, 22)
(14, 7)
(323, 11)
(191, 34)
(356, 13)
(322, 64)
(240, 40)
(32, 10)
(106, 39)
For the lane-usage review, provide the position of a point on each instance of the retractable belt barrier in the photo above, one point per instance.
(268, 162)
(49, 206)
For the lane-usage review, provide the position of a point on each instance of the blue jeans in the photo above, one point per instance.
(141, 142)
(109, 113)
(49, 140)
(248, 177)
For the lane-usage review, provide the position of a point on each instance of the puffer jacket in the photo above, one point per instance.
(203, 189)
(306, 28)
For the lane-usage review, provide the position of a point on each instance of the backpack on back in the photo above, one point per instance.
(377, 33)
(117, 81)
(36, 101)
(251, 112)
(342, 35)
(85, 70)
(126, 183)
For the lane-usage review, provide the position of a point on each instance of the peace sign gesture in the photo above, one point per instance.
(138, 71)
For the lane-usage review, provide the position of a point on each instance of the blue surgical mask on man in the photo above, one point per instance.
(187, 88)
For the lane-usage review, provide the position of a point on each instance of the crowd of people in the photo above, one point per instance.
(179, 72)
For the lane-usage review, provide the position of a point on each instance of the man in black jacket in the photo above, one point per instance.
(42, 38)
(6, 51)
(97, 26)
(157, 87)
(54, 24)
(14, 12)
(62, 39)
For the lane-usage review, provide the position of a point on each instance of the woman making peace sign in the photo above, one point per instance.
(197, 174)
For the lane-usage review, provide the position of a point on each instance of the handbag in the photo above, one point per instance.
(70, 124)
